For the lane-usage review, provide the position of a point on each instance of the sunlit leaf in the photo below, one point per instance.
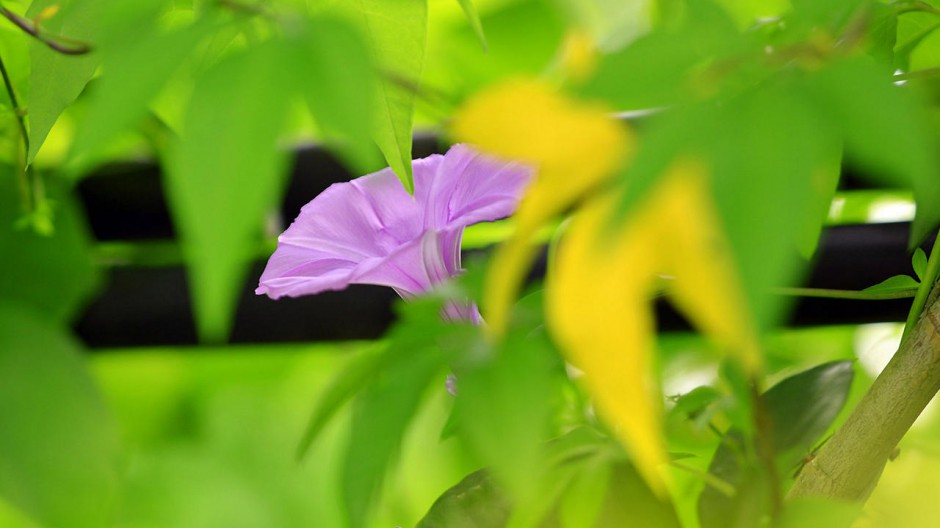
(396, 32)
(58, 450)
(225, 173)
(598, 301)
(575, 148)
(57, 79)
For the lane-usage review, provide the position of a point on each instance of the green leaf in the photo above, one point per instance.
(337, 78)
(474, 502)
(767, 217)
(57, 79)
(657, 69)
(883, 33)
(885, 132)
(397, 33)
(419, 347)
(898, 283)
(354, 377)
(470, 11)
(505, 403)
(919, 263)
(800, 408)
(62, 260)
(134, 73)
(58, 450)
(225, 173)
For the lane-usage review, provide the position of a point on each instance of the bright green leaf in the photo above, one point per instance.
(895, 284)
(58, 450)
(397, 34)
(57, 79)
(225, 173)
(919, 262)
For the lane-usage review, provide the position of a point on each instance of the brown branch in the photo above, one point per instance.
(63, 45)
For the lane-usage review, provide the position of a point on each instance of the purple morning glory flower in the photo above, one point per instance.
(371, 231)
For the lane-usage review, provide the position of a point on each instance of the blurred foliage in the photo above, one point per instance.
(769, 98)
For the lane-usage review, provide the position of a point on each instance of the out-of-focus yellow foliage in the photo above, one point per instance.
(599, 291)
(574, 147)
(578, 56)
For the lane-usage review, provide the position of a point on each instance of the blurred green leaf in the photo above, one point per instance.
(225, 173)
(456, 62)
(800, 408)
(661, 68)
(884, 132)
(57, 79)
(353, 378)
(53, 274)
(769, 199)
(902, 54)
(134, 73)
(58, 450)
(337, 78)
(883, 34)
(419, 348)
(397, 32)
(898, 283)
(505, 403)
(470, 11)
(919, 263)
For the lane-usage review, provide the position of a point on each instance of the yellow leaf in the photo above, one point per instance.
(598, 301)
(574, 147)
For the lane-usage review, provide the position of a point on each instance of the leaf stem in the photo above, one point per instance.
(860, 295)
(926, 286)
(718, 484)
(63, 45)
(26, 189)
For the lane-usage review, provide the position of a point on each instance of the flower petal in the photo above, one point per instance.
(370, 230)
